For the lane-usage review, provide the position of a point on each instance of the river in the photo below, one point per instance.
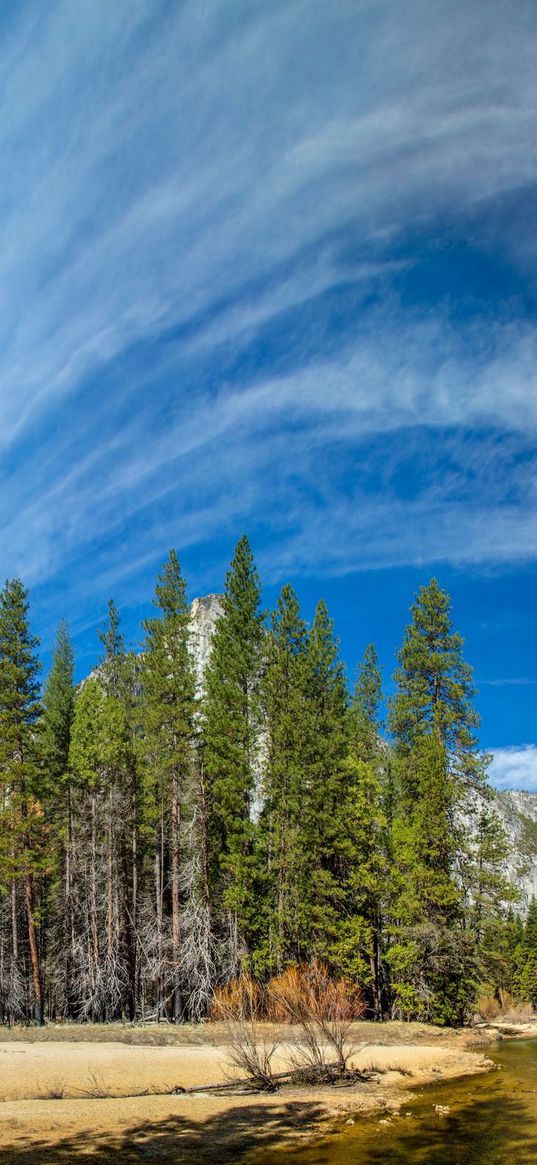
(492, 1121)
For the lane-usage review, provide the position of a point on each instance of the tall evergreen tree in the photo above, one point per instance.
(58, 706)
(113, 642)
(530, 929)
(435, 691)
(360, 850)
(168, 721)
(365, 721)
(118, 675)
(481, 861)
(526, 978)
(371, 788)
(434, 722)
(324, 784)
(57, 722)
(23, 834)
(285, 921)
(231, 741)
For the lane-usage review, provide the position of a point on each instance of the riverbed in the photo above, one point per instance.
(115, 1094)
(489, 1119)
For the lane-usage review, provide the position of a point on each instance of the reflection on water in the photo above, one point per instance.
(492, 1121)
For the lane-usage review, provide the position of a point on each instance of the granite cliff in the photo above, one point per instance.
(518, 813)
(205, 613)
(517, 810)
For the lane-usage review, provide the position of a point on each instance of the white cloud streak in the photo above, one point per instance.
(201, 166)
(515, 768)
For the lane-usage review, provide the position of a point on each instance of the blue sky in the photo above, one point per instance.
(273, 267)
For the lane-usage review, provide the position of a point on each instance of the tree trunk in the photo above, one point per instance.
(94, 932)
(110, 879)
(158, 911)
(204, 840)
(176, 924)
(375, 977)
(134, 903)
(69, 911)
(34, 949)
(126, 934)
(14, 932)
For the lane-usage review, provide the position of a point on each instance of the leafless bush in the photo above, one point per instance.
(97, 1090)
(250, 1050)
(324, 1010)
(251, 1053)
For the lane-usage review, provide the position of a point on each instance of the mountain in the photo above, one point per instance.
(517, 810)
(518, 813)
(205, 613)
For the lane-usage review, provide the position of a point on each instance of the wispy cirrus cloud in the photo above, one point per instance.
(232, 287)
(515, 768)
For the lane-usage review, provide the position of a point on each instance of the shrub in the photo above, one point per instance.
(308, 990)
(488, 1007)
(325, 1010)
(239, 999)
(321, 1009)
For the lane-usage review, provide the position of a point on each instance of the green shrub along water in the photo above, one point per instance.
(158, 841)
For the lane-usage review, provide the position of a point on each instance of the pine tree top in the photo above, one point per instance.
(434, 683)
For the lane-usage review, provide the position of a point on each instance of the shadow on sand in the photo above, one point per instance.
(496, 1131)
(219, 1140)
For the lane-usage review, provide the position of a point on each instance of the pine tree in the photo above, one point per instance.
(168, 722)
(133, 823)
(23, 835)
(119, 676)
(365, 721)
(526, 978)
(434, 722)
(530, 928)
(58, 705)
(360, 849)
(57, 722)
(435, 690)
(371, 789)
(231, 737)
(483, 864)
(87, 757)
(325, 783)
(284, 922)
(112, 640)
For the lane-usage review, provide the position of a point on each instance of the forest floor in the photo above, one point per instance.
(96, 1092)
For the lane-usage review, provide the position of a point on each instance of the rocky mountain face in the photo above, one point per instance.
(518, 813)
(203, 618)
(517, 810)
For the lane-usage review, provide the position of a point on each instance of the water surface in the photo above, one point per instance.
(492, 1121)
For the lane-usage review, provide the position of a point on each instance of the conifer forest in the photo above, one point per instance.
(160, 839)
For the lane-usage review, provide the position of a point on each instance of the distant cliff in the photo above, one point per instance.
(205, 613)
(517, 810)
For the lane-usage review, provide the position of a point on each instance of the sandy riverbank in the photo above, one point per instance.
(64, 1097)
